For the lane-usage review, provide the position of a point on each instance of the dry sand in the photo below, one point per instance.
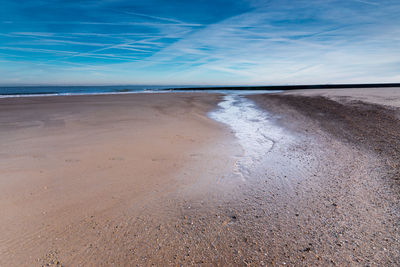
(345, 193)
(150, 179)
(382, 96)
(75, 170)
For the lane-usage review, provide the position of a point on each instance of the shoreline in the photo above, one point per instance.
(127, 89)
(86, 94)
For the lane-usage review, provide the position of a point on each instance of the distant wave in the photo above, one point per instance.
(31, 91)
(35, 91)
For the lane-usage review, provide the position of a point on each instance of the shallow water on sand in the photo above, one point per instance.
(253, 127)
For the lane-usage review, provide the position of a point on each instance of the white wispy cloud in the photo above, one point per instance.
(368, 2)
(293, 53)
(157, 18)
(275, 42)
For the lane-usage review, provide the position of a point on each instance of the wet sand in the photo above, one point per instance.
(152, 179)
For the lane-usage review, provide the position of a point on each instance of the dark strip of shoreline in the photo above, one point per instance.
(291, 87)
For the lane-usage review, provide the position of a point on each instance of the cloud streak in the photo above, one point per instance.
(259, 42)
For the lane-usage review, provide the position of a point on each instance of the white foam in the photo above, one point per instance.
(253, 127)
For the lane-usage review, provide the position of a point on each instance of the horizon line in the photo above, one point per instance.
(212, 86)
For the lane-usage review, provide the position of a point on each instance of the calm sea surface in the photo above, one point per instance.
(18, 91)
(67, 90)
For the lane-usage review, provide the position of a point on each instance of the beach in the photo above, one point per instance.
(75, 168)
(303, 178)
(349, 197)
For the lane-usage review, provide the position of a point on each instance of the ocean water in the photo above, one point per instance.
(76, 90)
(18, 91)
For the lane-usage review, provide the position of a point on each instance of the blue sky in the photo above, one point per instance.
(217, 42)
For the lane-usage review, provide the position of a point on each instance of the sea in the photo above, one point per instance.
(18, 91)
(31, 91)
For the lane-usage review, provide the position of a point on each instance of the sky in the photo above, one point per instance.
(199, 42)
